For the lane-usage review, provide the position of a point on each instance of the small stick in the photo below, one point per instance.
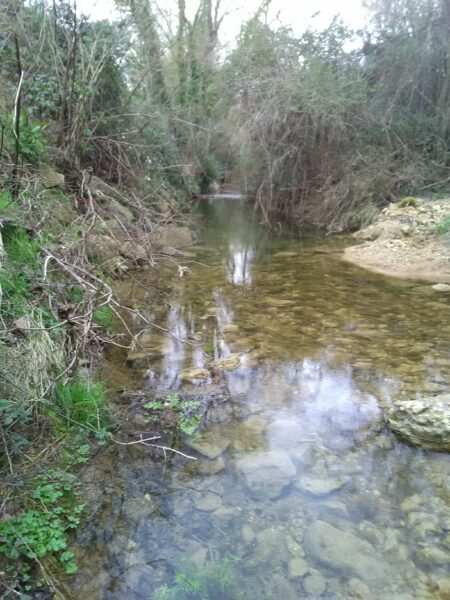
(163, 448)
(141, 441)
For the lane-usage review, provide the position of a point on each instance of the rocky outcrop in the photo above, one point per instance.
(404, 241)
(423, 422)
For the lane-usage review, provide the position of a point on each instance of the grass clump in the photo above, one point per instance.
(83, 405)
(18, 270)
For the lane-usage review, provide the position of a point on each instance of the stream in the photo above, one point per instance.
(298, 490)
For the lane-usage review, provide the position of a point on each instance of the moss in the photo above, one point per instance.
(409, 201)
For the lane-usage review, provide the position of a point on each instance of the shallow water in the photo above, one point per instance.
(298, 490)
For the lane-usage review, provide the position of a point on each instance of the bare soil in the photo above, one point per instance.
(404, 241)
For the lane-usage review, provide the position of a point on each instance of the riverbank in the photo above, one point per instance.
(61, 255)
(409, 239)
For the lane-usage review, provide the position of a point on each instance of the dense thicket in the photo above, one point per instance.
(309, 127)
(329, 134)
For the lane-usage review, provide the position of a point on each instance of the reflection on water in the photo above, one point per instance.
(297, 478)
(240, 265)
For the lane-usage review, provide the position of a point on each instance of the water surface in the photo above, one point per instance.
(298, 490)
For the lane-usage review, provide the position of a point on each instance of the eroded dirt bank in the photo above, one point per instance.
(406, 240)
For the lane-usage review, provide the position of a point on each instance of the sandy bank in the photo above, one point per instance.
(404, 242)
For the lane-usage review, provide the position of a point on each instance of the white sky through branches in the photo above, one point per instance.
(299, 14)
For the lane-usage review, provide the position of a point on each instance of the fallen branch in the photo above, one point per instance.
(163, 448)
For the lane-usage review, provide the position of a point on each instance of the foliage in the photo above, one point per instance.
(53, 508)
(323, 131)
(104, 317)
(186, 411)
(212, 171)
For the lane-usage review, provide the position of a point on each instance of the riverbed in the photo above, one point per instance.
(298, 489)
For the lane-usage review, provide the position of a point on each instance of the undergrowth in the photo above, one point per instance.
(50, 412)
(185, 417)
(39, 526)
(19, 269)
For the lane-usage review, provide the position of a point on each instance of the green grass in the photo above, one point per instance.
(443, 226)
(7, 206)
(104, 317)
(20, 249)
(83, 405)
(18, 269)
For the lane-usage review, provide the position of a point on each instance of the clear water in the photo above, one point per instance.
(305, 493)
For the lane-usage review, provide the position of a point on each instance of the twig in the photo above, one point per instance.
(7, 454)
(140, 441)
(165, 449)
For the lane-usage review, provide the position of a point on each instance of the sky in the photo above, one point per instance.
(295, 13)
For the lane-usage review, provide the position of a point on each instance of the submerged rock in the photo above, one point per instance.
(320, 486)
(314, 585)
(285, 254)
(247, 534)
(441, 287)
(267, 474)
(228, 363)
(345, 553)
(230, 328)
(358, 589)
(211, 467)
(297, 567)
(209, 445)
(175, 237)
(281, 588)
(139, 358)
(424, 422)
(195, 374)
(271, 544)
(279, 303)
(208, 502)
